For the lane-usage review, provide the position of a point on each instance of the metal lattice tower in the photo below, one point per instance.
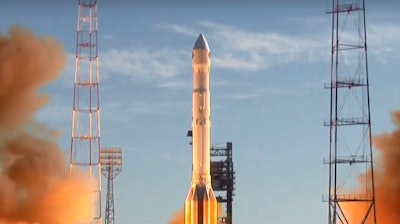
(85, 136)
(351, 177)
(111, 166)
(223, 179)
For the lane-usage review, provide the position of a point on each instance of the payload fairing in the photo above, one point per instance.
(201, 204)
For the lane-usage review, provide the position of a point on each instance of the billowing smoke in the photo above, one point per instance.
(35, 187)
(386, 176)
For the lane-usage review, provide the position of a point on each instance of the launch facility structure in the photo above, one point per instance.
(111, 166)
(85, 131)
(223, 179)
(350, 152)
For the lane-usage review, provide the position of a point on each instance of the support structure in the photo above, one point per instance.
(351, 176)
(85, 136)
(111, 166)
(223, 179)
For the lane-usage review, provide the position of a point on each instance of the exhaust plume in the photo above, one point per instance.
(386, 176)
(178, 217)
(35, 187)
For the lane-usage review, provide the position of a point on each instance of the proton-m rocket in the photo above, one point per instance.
(201, 204)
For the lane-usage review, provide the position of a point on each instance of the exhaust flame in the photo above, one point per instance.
(178, 217)
(34, 182)
(386, 176)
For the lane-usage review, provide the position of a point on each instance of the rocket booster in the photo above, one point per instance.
(201, 204)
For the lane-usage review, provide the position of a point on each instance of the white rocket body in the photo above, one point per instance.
(201, 204)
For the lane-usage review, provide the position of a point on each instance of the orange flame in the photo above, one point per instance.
(179, 216)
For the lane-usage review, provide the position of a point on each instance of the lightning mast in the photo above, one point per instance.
(85, 136)
(111, 166)
(351, 176)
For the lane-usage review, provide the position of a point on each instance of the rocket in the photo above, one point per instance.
(201, 204)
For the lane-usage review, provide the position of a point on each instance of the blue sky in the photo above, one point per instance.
(270, 60)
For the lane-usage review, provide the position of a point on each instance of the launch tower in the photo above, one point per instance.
(223, 179)
(111, 166)
(85, 136)
(351, 174)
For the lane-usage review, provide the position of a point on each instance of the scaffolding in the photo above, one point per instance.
(223, 179)
(351, 193)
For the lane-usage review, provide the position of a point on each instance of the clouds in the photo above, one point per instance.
(244, 50)
(383, 41)
(235, 49)
(238, 49)
(143, 64)
(181, 29)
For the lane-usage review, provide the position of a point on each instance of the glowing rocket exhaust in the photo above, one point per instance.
(201, 204)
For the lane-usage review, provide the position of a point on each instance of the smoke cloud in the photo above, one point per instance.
(35, 187)
(386, 176)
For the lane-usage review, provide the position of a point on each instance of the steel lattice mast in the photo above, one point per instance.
(85, 136)
(111, 161)
(351, 175)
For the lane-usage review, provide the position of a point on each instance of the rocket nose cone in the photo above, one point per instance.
(201, 43)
